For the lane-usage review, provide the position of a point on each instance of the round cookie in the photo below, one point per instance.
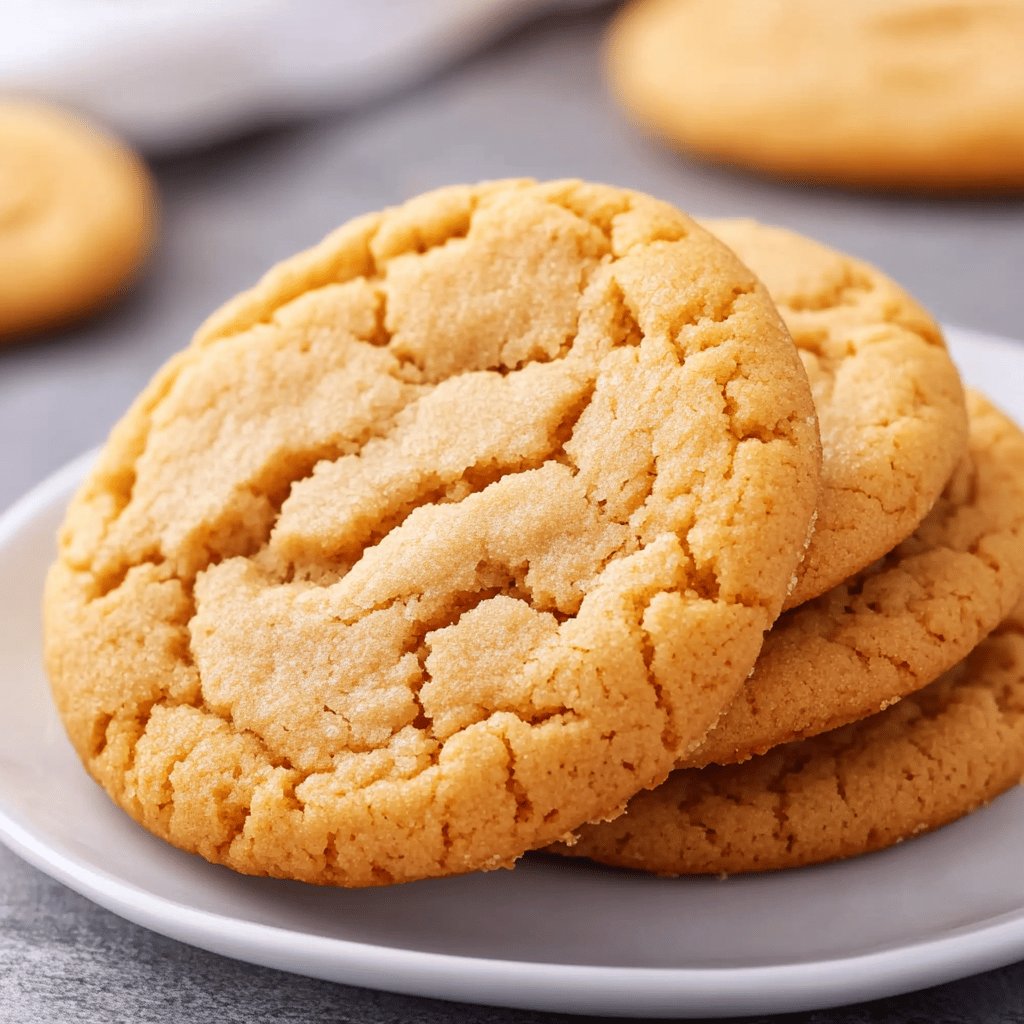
(900, 624)
(77, 217)
(450, 535)
(918, 94)
(934, 757)
(889, 399)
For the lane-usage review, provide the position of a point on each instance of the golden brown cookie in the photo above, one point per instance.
(900, 624)
(931, 759)
(77, 217)
(918, 94)
(450, 535)
(889, 400)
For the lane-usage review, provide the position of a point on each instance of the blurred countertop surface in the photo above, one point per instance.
(533, 104)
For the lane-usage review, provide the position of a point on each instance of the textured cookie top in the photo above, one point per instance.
(932, 758)
(901, 623)
(889, 400)
(450, 535)
(76, 217)
(886, 93)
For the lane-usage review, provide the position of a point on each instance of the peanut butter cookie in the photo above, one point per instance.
(447, 537)
(929, 760)
(77, 217)
(900, 624)
(890, 404)
(908, 94)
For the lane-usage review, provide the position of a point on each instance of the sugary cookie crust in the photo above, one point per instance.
(450, 535)
(918, 94)
(900, 624)
(931, 759)
(890, 404)
(77, 217)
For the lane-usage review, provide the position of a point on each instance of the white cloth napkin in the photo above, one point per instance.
(168, 74)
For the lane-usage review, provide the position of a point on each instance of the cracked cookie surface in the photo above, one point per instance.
(889, 399)
(451, 534)
(900, 624)
(907, 94)
(931, 759)
(77, 217)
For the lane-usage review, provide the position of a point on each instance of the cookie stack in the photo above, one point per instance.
(892, 703)
(465, 527)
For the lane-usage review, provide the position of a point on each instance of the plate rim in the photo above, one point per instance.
(523, 984)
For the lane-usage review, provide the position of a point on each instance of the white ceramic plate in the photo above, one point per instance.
(551, 935)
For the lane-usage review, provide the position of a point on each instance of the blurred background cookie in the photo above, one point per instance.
(77, 217)
(910, 94)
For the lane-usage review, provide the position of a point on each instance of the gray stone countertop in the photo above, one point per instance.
(533, 104)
